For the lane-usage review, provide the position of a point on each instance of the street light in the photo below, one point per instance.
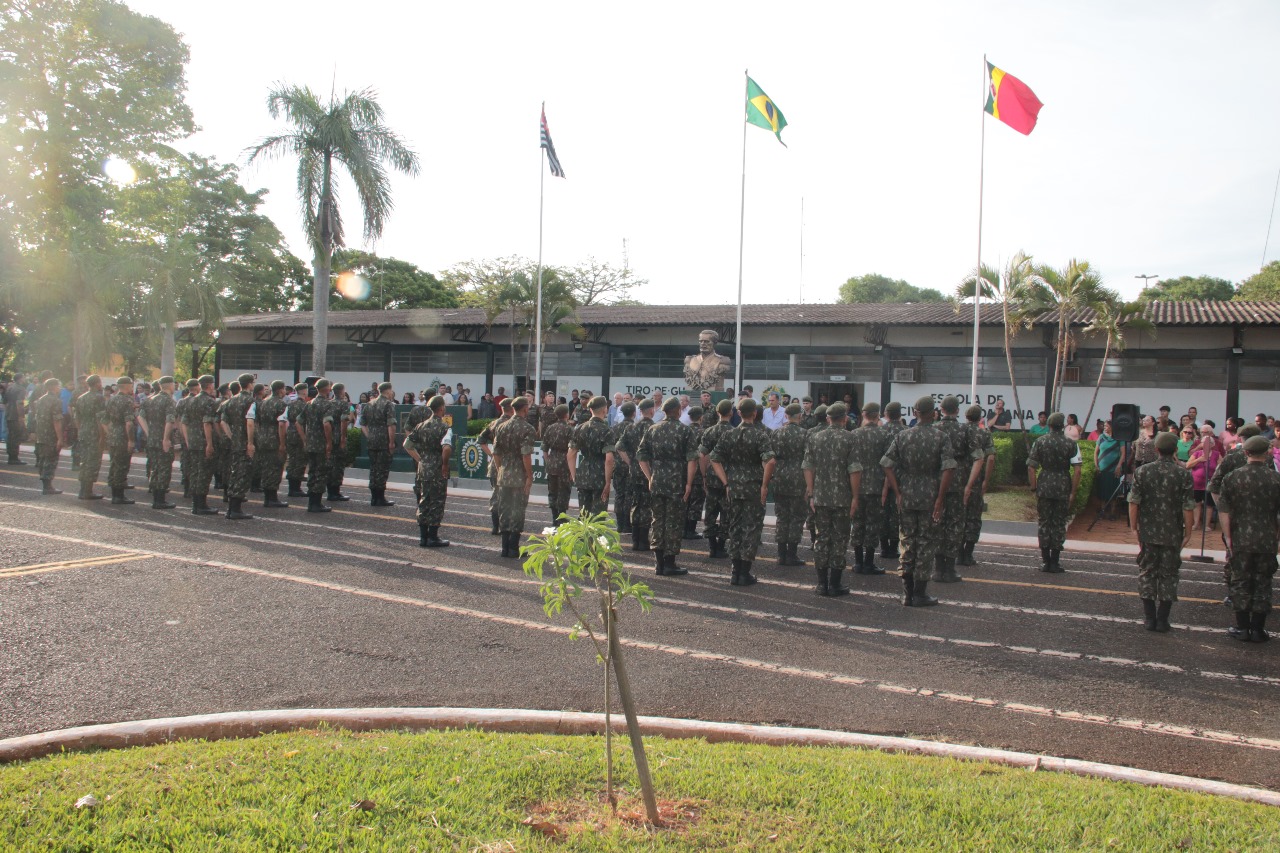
(1144, 278)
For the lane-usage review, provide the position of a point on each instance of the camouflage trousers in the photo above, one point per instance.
(512, 503)
(668, 522)
(199, 471)
(90, 462)
(621, 491)
(694, 506)
(493, 489)
(589, 502)
(973, 515)
(1249, 580)
(832, 524)
(952, 524)
(337, 469)
(1158, 571)
(746, 523)
(379, 467)
(46, 460)
(891, 519)
(221, 458)
(641, 511)
(268, 464)
(118, 471)
(791, 512)
(159, 468)
(919, 538)
(16, 433)
(558, 490)
(431, 491)
(239, 472)
(317, 472)
(867, 528)
(716, 515)
(296, 464)
(1052, 525)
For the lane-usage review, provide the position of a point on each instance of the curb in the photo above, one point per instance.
(240, 724)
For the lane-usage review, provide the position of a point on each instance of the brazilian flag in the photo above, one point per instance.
(763, 112)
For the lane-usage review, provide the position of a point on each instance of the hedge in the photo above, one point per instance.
(355, 443)
(1011, 466)
(477, 425)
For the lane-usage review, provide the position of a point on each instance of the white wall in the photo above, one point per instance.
(416, 382)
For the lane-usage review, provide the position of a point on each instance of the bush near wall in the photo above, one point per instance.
(1011, 466)
(477, 425)
(355, 444)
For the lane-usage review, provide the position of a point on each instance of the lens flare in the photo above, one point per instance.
(119, 171)
(352, 286)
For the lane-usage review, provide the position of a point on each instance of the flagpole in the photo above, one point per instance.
(977, 278)
(742, 222)
(537, 359)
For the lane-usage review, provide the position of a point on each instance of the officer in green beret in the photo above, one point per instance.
(641, 508)
(1249, 506)
(975, 491)
(698, 492)
(340, 406)
(240, 450)
(295, 440)
(715, 518)
(870, 441)
(668, 456)
(89, 411)
(591, 460)
(744, 459)
(513, 451)
(180, 447)
(430, 445)
(158, 417)
(198, 423)
(556, 435)
(789, 504)
(893, 424)
(969, 460)
(318, 427)
(47, 413)
(1161, 503)
(831, 483)
(1057, 459)
(268, 425)
(621, 469)
(378, 425)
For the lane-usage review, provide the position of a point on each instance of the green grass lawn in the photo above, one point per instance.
(331, 790)
(1011, 503)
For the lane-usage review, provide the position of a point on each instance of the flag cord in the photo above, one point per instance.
(537, 360)
(1267, 241)
(742, 220)
(977, 275)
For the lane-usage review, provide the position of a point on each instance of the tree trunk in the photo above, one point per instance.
(1088, 418)
(168, 350)
(1008, 355)
(320, 313)
(633, 725)
(513, 349)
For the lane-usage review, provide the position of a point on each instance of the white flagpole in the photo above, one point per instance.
(977, 278)
(742, 220)
(537, 359)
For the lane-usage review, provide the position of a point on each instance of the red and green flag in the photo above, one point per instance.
(1011, 100)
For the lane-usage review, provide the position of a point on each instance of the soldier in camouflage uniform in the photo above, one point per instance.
(717, 511)
(743, 458)
(1232, 460)
(789, 504)
(513, 452)
(831, 482)
(668, 456)
(198, 427)
(819, 421)
(270, 427)
(179, 439)
(240, 449)
(158, 417)
(221, 448)
(119, 418)
(547, 415)
(555, 459)
(975, 491)
(294, 443)
(893, 424)
(870, 441)
(1160, 506)
(808, 416)
(88, 411)
(621, 470)
(418, 414)
(590, 459)
(641, 509)
(697, 502)
(14, 396)
(48, 434)
(486, 439)
(317, 423)
(969, 460)
(919, 465)
(1249, 504)
(341, 410)
(1058, 459)
(430, 444)
(379, 428)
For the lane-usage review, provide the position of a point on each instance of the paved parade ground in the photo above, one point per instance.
(112, 613)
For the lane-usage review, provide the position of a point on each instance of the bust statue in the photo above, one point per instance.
(706, 370)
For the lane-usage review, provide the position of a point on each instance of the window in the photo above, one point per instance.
(257, 358)
(770, 367)
(1259, 375)
(647, 364)
(1156, 372)
(819, 367)
(356, 359)
(439, 361)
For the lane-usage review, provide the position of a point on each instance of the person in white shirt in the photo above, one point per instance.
(615, 411)
(774, 416)
(658, 415)
(684, 409)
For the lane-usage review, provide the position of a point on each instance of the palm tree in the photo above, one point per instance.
(1065, 291)
(347, 132)
(1113, 318)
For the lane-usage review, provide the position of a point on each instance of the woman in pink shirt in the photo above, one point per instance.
(1202, 462)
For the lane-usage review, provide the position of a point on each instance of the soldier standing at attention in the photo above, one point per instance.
(555, 459)
(621, 470)
(1058, 459)
(119, 417)
(338, 458)
(48, 423)
(919, 466)
(893, 424)
(240, 449)
(716, 519)
(513, 453)
(158, 418)
(1232, 460)
(417, 415)
(789, 504)
(969, 460)
(1249, 506)
(808, 417)
(430, 445)
(486, 441)
(316, 423)
(698, 493)
(88, 410)
(870, 441)
(379, 428)
(547, 416)
(295, 441)
(819, 424)
(668, 456)
(198, 420)
(590, 459)
(975, 491)
(641, 509)
(1160, 507)
(15, 416)
(270, 436)
(179, 439)
(743, 458)
(830, 486)
(220, 446)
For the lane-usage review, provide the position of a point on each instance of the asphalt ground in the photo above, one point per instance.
(111, 613)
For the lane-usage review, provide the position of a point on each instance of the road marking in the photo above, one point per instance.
(1083, 589)
(1131, 724)
(22, 571)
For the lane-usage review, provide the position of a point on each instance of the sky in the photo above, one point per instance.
(1157, 150)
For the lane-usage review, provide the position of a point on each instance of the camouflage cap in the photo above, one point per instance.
(54, 383)
(301, 387)
(245, 379)
(278, 385)
(747, 406)
(806, 399)
(1166, 443)
(870, 408)
(724, 407)
(837, 410)
(384, 386)
(695, 413)
(628, 409)
(165, 380)
(821, 411)
(1249, 431)
(258, 389)
(339, 387)
(1057, 420)
(1257, 446)
(322, 383)
(893, 410)
(973, 413)
(436, 402)
(506, 403)
(519, 403)
(794, 409)
(234, 387)
(924, 404)
(951, 403)
(598, 403)
(562, 410)
(191, 383)
(95, 379)
(671, 404)
(124, 380)
(646, 405)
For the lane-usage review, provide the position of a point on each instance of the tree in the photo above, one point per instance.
(874, 287)
(1064, 291)
(392, 283)
(1188, 288)
(1113, 318)
(1264, 285)
(346, 132)
(490, 285)
(597, 283)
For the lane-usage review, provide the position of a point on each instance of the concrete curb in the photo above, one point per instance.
(240, 724)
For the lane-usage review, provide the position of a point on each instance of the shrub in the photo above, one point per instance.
(355, 444)
(477, 425)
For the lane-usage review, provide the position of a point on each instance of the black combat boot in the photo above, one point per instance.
(1046, 562)
(949, 570)
(795, 558)
(295, 488)
(659, 561)
(966, 554)
(1242, 629)
(49, 489)
(200, 506)
(691, 529)
(336, 495)
(672, 569)
(891, 545)
(908, 590)
(869, 566)
(424, 537)
(513, 544)
(271, 500)
(939, 568)
(821, 571)
(1149, 614)
(715, 550)
(834, 587)
(315, 503)
(1055, 562)
(1162, 616)
(87, 494)
(640, 539)
(858, 560)
(236, 511)
(118, 498)
(158, 501)
(920, 597)
(782, 554)
(433, 538)
(745, 578)
(494, 531)
(379, 498)
(1258, 628)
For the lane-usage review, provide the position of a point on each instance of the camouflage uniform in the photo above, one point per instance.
(1163, 492)
(918, 457)
(14, 395)
(428, 440)
(1250, 497)
(201, 410)
(830, 455)
(742, 452)
(377, 416)
(417, 415)
(641, 509)
(546, 417)
(1053, 454)
(487, 438)
(295, 447)
(952, 527)
(668, 448)
(889, 540)
(159, 410)
(698, 491)
(234, 414)
(221, 449)
(317, 413)
(716, 518)
(594, 441)
(980, 439)
(119, 418)
(179, 444)
(789, 505)
(266, 443)
(621, 477)
(511, 442)
(869, 445)
(89, 409)
(338, 459)
(555, 448)
(48, 413)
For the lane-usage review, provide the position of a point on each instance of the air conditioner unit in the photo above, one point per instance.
(1071, 376)
(904, 374)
